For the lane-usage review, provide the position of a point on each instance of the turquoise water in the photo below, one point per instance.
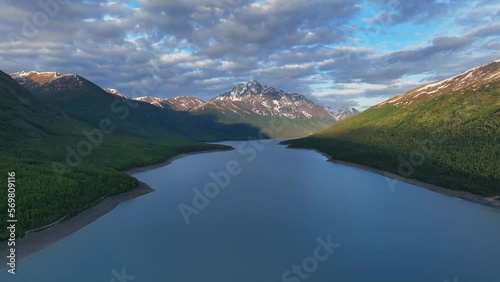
(280, 208)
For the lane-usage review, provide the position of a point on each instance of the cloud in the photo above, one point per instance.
(415, 11)
(205, 47)
(440, 45)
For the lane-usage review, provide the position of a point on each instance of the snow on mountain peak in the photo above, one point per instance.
(250, 87)
(47, 81)
(183, 103)
(254, 98)
(341, 113)
(115, 92)
(40, 76)
(469, 79)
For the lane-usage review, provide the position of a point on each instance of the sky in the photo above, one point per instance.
(336, 52)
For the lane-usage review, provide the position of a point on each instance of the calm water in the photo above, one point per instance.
(269, 218)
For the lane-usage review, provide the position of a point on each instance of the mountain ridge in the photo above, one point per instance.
(474, 77)
(87, 102)
(342, 113)
(447, 137)
(253, 97)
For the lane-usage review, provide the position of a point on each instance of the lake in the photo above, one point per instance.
(267, 213)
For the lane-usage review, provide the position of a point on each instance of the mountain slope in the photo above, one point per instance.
(146, 117)
(261, 106)
(179, 103)
(43, 146)
(446, 133)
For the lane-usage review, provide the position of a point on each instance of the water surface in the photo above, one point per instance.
(268, 218)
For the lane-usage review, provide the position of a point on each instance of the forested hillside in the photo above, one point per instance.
(52, 182)
(451, 138)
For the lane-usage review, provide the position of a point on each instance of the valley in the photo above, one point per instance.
(255, 140)
(76, 137)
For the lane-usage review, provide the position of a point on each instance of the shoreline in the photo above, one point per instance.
(170, 160)
(490, 202)
(37, 241)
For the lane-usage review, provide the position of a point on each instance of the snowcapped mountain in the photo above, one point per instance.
(180, 103)
(249, 105)
(183, 103)
(260, 106)
(115, 92)
(472, 78)
(341, 114)
(48, 82)
(153, 101)
(252, 98)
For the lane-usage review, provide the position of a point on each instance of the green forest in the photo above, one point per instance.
(451, 140)
(34, 144)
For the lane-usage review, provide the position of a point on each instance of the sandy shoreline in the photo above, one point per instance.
(445, 191)
(39, 240)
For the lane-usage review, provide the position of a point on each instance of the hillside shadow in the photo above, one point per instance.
(199, 127)
(89, 103)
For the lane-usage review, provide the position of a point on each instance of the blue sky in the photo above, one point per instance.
(337, 52)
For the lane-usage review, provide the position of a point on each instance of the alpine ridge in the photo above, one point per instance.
(258, 105)
(469, 79)
(47, 82)
(253, 98)
(179, 103)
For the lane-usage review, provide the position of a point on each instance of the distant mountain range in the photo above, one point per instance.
(259, 105)
(252, 98)
(247, 103)
(446, 133)
(179, 103)
(85, 101)
(341, 114)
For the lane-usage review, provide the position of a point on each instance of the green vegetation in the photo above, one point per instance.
(273, 127)
(90, 103)
(451, 140)
(34, 137)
